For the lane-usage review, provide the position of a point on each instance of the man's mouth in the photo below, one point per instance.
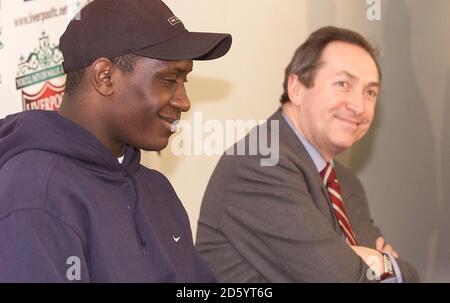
(171, 121)
(349, 122)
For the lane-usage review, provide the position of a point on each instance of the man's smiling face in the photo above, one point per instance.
(338, 109)
(150, 100)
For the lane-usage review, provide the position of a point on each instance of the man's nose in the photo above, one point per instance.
(181, 99)
(355, 103)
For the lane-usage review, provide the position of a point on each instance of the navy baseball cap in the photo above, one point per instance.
(148, 28)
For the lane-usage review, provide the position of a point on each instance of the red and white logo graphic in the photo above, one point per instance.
(48, 98)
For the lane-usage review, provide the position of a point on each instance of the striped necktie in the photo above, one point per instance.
(334, 192)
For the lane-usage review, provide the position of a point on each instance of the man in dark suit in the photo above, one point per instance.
(305, 218)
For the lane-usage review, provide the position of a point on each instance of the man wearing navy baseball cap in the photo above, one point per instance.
(77, 205)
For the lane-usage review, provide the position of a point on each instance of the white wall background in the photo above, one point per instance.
(403, 161)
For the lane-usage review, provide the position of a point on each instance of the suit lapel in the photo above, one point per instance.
(289, 140)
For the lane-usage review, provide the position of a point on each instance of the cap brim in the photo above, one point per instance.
(189, 46)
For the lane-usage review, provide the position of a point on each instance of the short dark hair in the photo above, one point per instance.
(306, 59)
(125, 63)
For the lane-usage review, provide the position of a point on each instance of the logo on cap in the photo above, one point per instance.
(174, 20)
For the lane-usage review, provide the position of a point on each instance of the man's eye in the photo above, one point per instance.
(169, 82)
(342, 84)
(372, 93)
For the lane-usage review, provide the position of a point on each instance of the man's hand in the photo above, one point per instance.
(382, 246)
(373, 258)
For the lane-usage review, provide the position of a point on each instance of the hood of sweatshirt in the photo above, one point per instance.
(48, 131)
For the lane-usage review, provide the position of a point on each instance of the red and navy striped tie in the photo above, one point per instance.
(334, 192)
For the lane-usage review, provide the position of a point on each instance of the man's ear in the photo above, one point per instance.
(295, 89)
(101, 75)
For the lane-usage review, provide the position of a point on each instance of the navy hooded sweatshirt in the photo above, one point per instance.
(70, 212)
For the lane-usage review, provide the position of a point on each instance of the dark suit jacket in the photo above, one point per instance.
(275, 224)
